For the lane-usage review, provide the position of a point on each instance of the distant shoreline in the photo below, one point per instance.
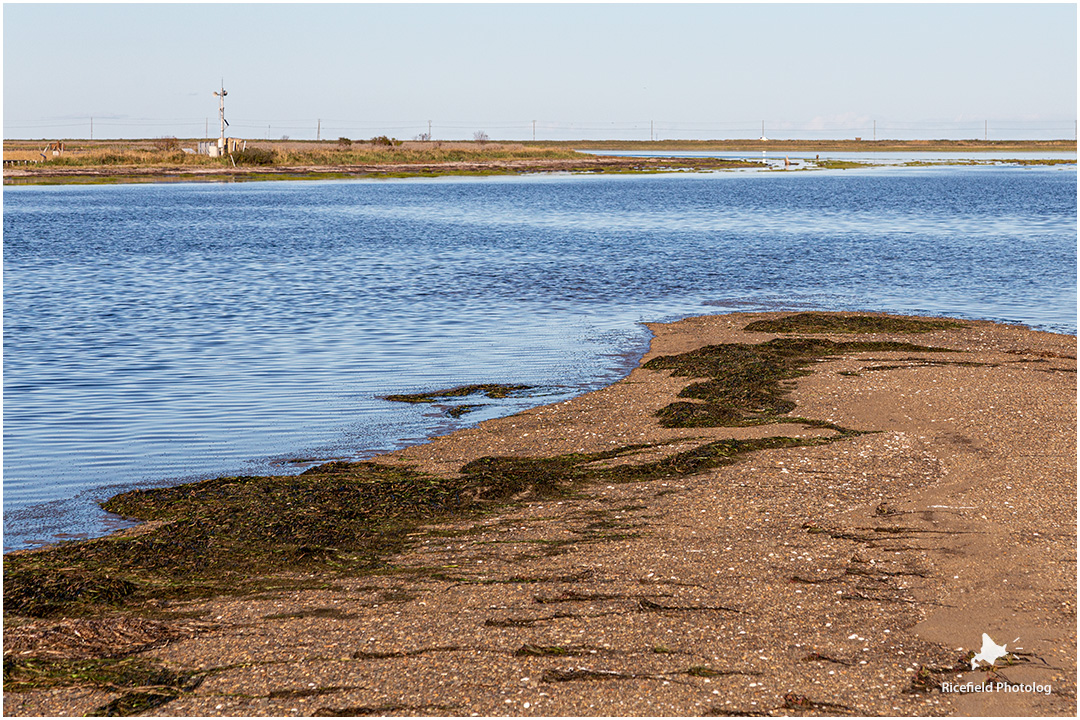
(171, 160)
(831, 145)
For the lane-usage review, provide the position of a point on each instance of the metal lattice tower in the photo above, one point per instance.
(221, 113)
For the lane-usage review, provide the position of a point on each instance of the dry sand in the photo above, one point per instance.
(846, 578)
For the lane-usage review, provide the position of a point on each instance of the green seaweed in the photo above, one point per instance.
(503, 478)
(839, 164)
(290, 693)
(491, 390)
(132, 703)
(748, 384)
(24, 674)
(44, 594)
(546, 651)
(812, 322)
(232, 534)
(331, 613)
(384, 710)
(708, 672)
(458, 411)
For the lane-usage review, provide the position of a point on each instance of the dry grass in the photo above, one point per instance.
(158, 153)
(167, 151)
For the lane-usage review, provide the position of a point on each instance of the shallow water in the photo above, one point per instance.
(883, 157)
(155, 333)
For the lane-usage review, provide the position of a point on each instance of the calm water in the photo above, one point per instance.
(156, 333)
(870, 158)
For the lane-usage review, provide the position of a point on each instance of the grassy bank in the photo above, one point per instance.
(82, 153)
(175, 153)
(98, 162)
(169, 159)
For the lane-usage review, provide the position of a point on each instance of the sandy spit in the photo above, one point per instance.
(852, 578)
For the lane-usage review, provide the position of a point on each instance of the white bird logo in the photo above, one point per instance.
(989, 654)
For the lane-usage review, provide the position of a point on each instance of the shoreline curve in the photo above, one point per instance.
(847, 563)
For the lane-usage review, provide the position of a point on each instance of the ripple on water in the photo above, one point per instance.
(160, 333)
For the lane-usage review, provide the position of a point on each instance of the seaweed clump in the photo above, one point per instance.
(241, 534)
(230, 534)
(749, 384)
(505, 478)
(812, 322)
(492, 390)
(145, 685)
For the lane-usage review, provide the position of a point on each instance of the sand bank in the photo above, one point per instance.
(917, 500)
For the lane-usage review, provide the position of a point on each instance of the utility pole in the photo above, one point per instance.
(429, 131)
(91, 127)
(650, 130)
(534, 131)
(875, 131)
(318, 131)
(986, 131)
(221, 114)
(206, 130)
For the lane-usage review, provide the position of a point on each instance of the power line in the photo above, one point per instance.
(878, 128)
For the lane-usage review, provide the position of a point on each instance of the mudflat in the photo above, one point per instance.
(775, 514)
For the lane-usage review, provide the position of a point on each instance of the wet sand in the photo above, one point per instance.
(853, 577)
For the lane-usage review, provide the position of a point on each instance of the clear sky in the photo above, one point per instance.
(578, 71)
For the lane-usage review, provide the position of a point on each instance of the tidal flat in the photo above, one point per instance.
(775, 513)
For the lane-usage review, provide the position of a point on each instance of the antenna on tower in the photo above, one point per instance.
(221, 112)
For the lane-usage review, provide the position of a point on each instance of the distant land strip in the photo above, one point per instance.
(178, 160)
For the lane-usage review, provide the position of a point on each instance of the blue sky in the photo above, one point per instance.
(579, 71)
